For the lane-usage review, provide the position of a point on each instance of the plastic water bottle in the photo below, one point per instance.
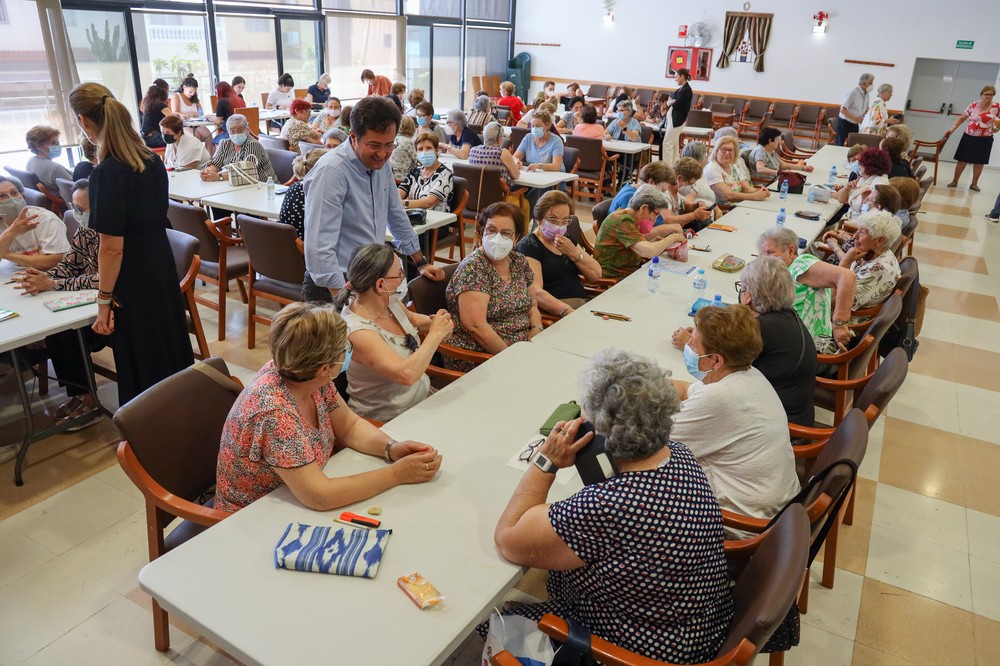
(270, 189)
(699, 287)
(833, 175)
(781, 218)
(812, 196)
(784, 189)
(653, 280)
(717, 301)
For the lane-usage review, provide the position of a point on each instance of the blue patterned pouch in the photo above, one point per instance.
(335, 550)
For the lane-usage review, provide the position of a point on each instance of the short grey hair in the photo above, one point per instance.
(631, 402)
(696, 150)
(458, 116)
(648, 195)
(482, 103)
(885, 88)
(783, 238)
(726, 131)
(236, 119)
(865, 78)
(369, 264)
(335, 133)
(82, 184)
(881, 224)
(625, 105)
(325, 79)
(492, 134)
(769, 283)
(18, 185)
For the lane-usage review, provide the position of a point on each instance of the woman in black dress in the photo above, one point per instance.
(138, 300)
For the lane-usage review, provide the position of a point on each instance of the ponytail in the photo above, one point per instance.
(116, 135)
(190, 82)
(344, 296)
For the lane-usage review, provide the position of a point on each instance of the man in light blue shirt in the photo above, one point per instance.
(351, 197)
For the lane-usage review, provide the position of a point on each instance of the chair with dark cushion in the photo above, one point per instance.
(517, 135)
(756, 116)
(599, 212)
(169, 449)
(929, 150)
(26, 178)
(273, 142)
(485, 185)
(783, 114)
(869, 140)
(281, 162)
(597, 90)
(739, 106)
(595, 168)
(503, 114)
(807, 122)
(187, 262)
(223, 254)
(452, 235)
(65, 190)
(36, 198)
(830, 116)
(276, 269)
(72, 226)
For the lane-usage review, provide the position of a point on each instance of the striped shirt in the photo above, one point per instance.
(227, 153)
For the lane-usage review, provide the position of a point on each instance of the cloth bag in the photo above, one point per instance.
(335, 550)
(519, 636)
(244, 172)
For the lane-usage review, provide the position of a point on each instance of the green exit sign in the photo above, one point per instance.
(964, 44)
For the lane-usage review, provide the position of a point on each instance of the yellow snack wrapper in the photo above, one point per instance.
(419, 590)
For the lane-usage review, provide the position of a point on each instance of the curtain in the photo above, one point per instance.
(735, 26)
(760, 32)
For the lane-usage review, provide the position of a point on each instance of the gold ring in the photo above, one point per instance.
(426, 467)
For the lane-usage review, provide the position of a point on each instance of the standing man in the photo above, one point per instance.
(678, 105)
(854, 108)
(351, 197)
(377, 84)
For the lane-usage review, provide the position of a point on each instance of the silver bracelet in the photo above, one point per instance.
(388, 445)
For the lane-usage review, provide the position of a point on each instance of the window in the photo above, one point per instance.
(418, 58)
(171, 46)
(250, 53)
(383, 6)
(98, 42)
(3, 13)
(447, 45)
(488, 10)
(356, 43)
(485, 53)
(27, 96)
(298, 50)
(445, 8)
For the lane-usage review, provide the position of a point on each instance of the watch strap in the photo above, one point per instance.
(543, 463)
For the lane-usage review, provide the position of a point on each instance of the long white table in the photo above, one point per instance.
(187, 185)
(266, 115)
(539, 179)
(33, 323)
(821, 162)
(224, 583)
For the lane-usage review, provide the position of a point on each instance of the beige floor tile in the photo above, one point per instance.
(956, 260)
(980, 306)
(982, 460)
(922, 460)
(985, 587)
(948, 209)
(984, 535)
(44, 604)
(987, 640)
(979, 425)
(867, 656)
(834, 610)
(115, 477)
(853, 540)
(925, 410)
(115, 555)
(921, 518)
(947, 230)
(19, 555)
(913, 628)
(927, 569)
(817, 646)
(872, 463)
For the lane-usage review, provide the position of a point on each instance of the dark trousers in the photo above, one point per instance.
(67, 360)
(314, 293)
(845, 127)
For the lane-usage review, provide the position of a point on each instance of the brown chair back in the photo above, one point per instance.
(184, 247)
(808, 114)
(883, 385)
(428, 296)
(484, 185)
(72, 226)
(858, 367)
(757, 109)
(870, 140)
(782, 112)
(252, 114)
(272, 250)
(645, 96)
(848, 442)
(191, 220)
(722, 107)
(597, 90)
(517, 135)
(699, 118)
(590, 155)
(708, 100)
(600, 211)
(65, 188)
(27, 178)
(739, 105)
(281, 161)
(300, 93)
(459, 197)
(503, 114)
(571, 157)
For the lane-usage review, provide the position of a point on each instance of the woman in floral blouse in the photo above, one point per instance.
(282, 428)
(977, 142)
(297, 128)
(872, 258)
(878, 120)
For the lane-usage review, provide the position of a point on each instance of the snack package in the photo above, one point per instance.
(419, 590)
(678, 251)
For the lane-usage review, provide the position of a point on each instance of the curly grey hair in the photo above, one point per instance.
(236, 119)
(630, 400)
(695, 149)
(648, 195)
(783, 238)
(865, 78)
(881, 224)
(482, 103)
(492, 134)
(769, 283)
(885, 88)
(458, 116)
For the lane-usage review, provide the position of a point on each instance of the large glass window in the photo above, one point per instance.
(100, 51)
(447, 8)
(298, 50)
(485, 54)
(171, 46)
(447, 49)
(355, 43)
(386, 6)
(247, 48)
(418, 58)
(488, 10)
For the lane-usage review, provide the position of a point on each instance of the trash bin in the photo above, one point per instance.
(519, 73)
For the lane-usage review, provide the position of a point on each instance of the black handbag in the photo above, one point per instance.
(416, 217)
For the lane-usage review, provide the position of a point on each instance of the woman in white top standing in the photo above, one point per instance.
(387, 375)
(731, 418)
(184, 103)
(183, 150)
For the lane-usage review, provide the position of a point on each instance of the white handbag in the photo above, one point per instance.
(243, 172)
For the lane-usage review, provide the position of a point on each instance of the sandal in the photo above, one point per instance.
(953, 183)
(974, 188)
(67, 408)
(82, 410)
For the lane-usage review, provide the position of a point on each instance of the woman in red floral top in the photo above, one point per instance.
(977, 142)
(282, 428)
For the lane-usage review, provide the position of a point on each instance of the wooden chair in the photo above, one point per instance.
(169, 449)
(252, 114)
(263, 99)
(787, 149)
(597, 90)
(186, 260)
(575, 233)
(931, 153)
(599, 212)
(571, 164)
(596, 170)
(494, 89)
(517, 135)
(697, 126)
(281, 162)
(427, 297)
(300, 93)
(907, 276)
(485, 185)
(454, 234)
(215, 102)
(783, 115)
(870, 140)
(739, 107)
(808, 123)
(645, 97)
(756, 117)
(503, 114)
(723, 115)
(223, 254)
(764, 592)
(276, 268)
(830, 115)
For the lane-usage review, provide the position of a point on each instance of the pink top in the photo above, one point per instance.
(981, 123)
(265, 430)
(589, 131)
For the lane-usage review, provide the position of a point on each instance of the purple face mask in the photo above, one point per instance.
(551, 231)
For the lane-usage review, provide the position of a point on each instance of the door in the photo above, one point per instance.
(940, 90)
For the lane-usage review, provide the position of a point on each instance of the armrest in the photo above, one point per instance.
(463, 354)
(844, 384)
(741, 522)
(849, 355)
(437, 372)
(300, 246)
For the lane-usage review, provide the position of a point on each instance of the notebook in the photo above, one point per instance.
(7, 314)
(73, 299)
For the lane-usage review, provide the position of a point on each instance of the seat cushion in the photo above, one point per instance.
(237, 263)
(185, 531)
(292, 292)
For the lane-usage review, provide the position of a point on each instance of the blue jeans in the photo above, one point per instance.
(996, 208)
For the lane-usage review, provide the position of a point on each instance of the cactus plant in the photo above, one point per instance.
(106, 48)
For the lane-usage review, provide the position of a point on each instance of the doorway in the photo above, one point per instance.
(940, 91)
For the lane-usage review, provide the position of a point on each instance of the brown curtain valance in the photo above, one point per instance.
(757, 26)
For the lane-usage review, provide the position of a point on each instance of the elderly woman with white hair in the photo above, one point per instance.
(624, 127)
(872, 258)
(814, 280)
(241, 145)
(621, 248)
(637, 559)
(333, 137)
(482, 111)
(293, 204)
(726, 179)
(491, 154)
(787, 358)
(877, 120)
(462, 138)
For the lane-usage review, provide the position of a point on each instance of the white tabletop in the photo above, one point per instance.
(540, 179)
(224, 583)
(251, 200)
(188, 186)
(265, 114)
(34, 320)
(435, 219)
(626, 147)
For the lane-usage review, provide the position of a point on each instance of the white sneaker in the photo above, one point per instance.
(991, 217)
(9, 452)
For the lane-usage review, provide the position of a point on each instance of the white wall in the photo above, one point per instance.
(798, 65)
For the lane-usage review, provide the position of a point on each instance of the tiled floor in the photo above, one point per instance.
(918, 578)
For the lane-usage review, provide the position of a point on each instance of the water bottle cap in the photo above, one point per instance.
(782, 210)
(656, 259)
(701, 271)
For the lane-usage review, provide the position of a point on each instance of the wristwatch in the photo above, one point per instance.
(579, 257)
(406, 204)
(545, 464)
(840, 322)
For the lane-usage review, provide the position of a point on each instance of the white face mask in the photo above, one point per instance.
(82, 218)
(497, 247)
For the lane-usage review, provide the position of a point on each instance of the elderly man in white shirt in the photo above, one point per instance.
(31, 236)
(854, 107)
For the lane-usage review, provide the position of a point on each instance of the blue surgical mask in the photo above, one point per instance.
(691, 359)
(538, 132)
(426, 158)
(421, 120)
(347, 360)
(621, 115)
(856, 167)
(55, 151)
(238, 139)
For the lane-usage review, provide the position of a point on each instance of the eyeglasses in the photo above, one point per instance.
(77, 209)
(726, 150)
(559, 221)
(529, 451)
(379, 147)
(509, 235)
(739, 287)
